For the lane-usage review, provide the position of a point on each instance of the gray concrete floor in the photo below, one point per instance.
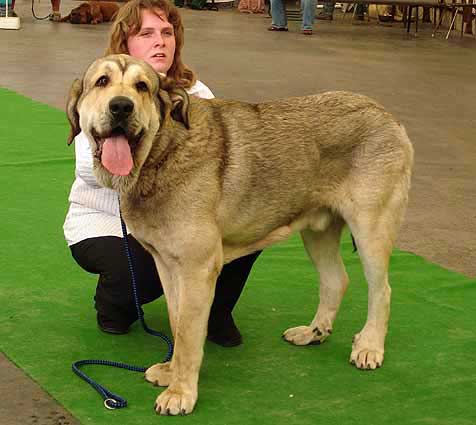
(428, 83)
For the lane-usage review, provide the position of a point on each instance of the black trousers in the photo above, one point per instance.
(114, 297)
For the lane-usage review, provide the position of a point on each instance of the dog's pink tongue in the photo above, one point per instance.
(116, 156)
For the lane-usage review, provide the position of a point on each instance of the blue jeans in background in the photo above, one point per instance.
(279, 19)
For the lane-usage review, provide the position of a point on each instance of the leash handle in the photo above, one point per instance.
(113, 401)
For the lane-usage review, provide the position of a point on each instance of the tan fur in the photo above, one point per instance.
(214, 180)
(92, 13)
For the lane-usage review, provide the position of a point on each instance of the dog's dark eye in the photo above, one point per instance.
(102, 81)
(141, 86)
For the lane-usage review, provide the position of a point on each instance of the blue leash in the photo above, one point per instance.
(111, 400)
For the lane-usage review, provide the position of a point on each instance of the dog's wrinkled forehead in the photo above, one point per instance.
(120, 69)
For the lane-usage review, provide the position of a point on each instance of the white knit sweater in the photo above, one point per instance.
(94, 210)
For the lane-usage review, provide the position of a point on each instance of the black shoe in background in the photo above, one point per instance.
(111, 326)
(224, 333)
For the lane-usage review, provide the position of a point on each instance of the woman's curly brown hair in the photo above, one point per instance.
(128, 21)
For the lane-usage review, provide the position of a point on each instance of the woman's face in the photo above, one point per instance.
(155, 41)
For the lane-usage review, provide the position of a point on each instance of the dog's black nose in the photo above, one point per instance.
(121, 107)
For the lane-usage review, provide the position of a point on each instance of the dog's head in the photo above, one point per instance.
(81, 14)
(120, 105)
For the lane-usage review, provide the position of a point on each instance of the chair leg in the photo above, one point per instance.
(440, 20)
(452, 23)
(416, 20)
(434, 22)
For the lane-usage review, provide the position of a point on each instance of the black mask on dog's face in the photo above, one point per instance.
(80, 18)
(75, 17)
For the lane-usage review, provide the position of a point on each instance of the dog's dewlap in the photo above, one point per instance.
(116, 156)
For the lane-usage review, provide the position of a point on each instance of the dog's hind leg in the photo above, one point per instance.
(323, 249)
(374, 235)
(374, 208)
(374, 246)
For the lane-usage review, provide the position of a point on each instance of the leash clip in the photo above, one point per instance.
(110, 404)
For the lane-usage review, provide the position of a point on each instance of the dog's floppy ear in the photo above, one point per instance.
(176, 98)
(93, 11)
(71, 109)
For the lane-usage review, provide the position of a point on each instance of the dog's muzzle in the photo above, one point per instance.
(115, 145)
(75, 18)
(121, 108)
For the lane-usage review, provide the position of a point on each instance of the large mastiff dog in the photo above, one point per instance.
(203, 182)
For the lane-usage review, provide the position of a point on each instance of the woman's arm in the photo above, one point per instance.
(84, 160)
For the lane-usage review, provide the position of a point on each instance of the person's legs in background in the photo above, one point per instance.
(55, 14)
(230, 284)
(327, 13)
(11, 8)
(468, 20)
(278, 16)
(308, 11)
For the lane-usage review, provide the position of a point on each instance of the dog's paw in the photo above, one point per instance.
(365, 354)
(160, 374)
(175, 402)
(305, 335)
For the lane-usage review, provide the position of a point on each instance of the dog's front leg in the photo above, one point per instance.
(189, 289)
(160, 374)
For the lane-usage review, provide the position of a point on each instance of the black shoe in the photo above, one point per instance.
(274, 28)
(226, 334)
(110, 326)
(322, 16)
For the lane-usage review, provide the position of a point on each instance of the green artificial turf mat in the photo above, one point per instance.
(47, 319)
